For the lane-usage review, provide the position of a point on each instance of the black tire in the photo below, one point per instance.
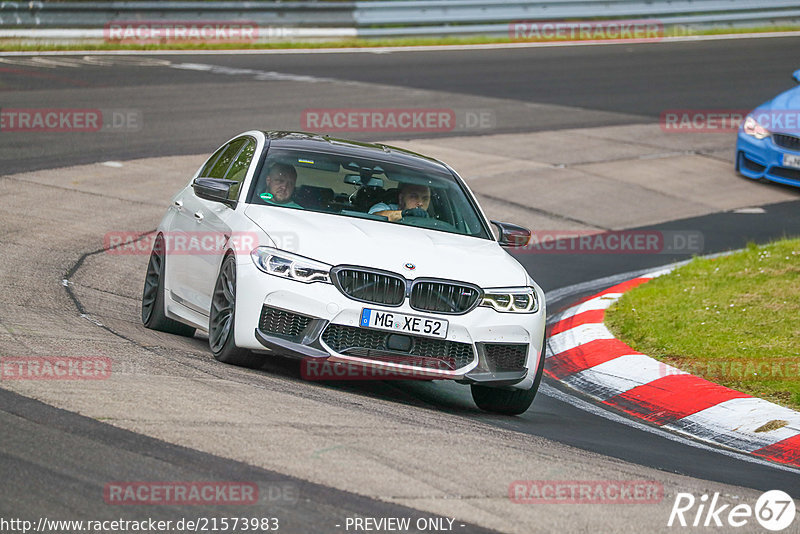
(153, 296)
(222, 318)
(508, 401)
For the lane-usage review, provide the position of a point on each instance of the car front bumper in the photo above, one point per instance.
(290, 318)
(763, 159)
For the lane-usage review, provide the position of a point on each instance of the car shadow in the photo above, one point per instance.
(439, 395)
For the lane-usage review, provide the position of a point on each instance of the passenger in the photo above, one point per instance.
(413, 201)
(281, 180)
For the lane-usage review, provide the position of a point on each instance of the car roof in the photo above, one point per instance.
(357, 149)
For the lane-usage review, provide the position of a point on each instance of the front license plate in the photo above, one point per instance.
(403, 324)
(790, 160)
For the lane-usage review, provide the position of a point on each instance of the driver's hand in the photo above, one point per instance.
(415, 212)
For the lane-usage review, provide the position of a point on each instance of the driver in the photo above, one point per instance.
(413, 201)
(281, 179)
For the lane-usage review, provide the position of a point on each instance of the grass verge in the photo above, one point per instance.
(18, 45)
(734, 320)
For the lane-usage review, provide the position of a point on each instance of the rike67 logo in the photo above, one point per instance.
(774, 510)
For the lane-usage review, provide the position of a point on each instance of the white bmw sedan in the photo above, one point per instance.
(347, 254)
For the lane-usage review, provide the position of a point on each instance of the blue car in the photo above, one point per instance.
(768, 145)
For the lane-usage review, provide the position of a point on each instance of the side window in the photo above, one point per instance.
(238, 168)
(220, 166)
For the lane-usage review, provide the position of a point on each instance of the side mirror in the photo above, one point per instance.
(214, 189)
(511, 235)
(796, 75)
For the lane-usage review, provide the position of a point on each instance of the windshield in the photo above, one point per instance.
(366, 189)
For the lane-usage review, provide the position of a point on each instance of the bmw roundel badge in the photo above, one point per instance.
(410, 266)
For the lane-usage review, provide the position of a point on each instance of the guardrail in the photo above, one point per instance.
(382, 18)
(38, 14)
(492, 17)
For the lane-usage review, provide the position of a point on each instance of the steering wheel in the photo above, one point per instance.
(422, 222)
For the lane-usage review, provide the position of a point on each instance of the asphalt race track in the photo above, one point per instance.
(322, 453)
(615, 84)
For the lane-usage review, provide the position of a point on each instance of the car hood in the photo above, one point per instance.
(782, 113)
(788, 100)
(339, 240)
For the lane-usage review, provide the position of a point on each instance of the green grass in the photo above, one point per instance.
(15, 45)
(9, 45)
(734, 320)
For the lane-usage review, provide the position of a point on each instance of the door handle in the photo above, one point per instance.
(178, 204)
(198, 216)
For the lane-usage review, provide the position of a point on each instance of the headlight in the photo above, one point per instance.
(287, 265)
(512, 300)
(751, 127)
